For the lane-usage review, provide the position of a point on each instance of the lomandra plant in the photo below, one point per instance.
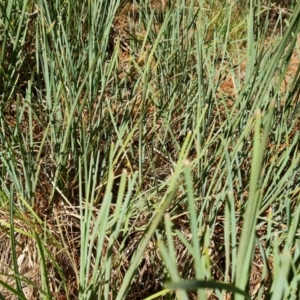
(127, 164)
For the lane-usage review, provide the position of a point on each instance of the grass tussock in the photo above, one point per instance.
(149, 150)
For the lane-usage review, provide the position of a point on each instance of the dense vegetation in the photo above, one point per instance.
(149, 150)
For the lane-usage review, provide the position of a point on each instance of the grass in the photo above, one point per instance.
(149, 151)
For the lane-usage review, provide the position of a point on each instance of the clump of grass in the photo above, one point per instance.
(139, 150)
